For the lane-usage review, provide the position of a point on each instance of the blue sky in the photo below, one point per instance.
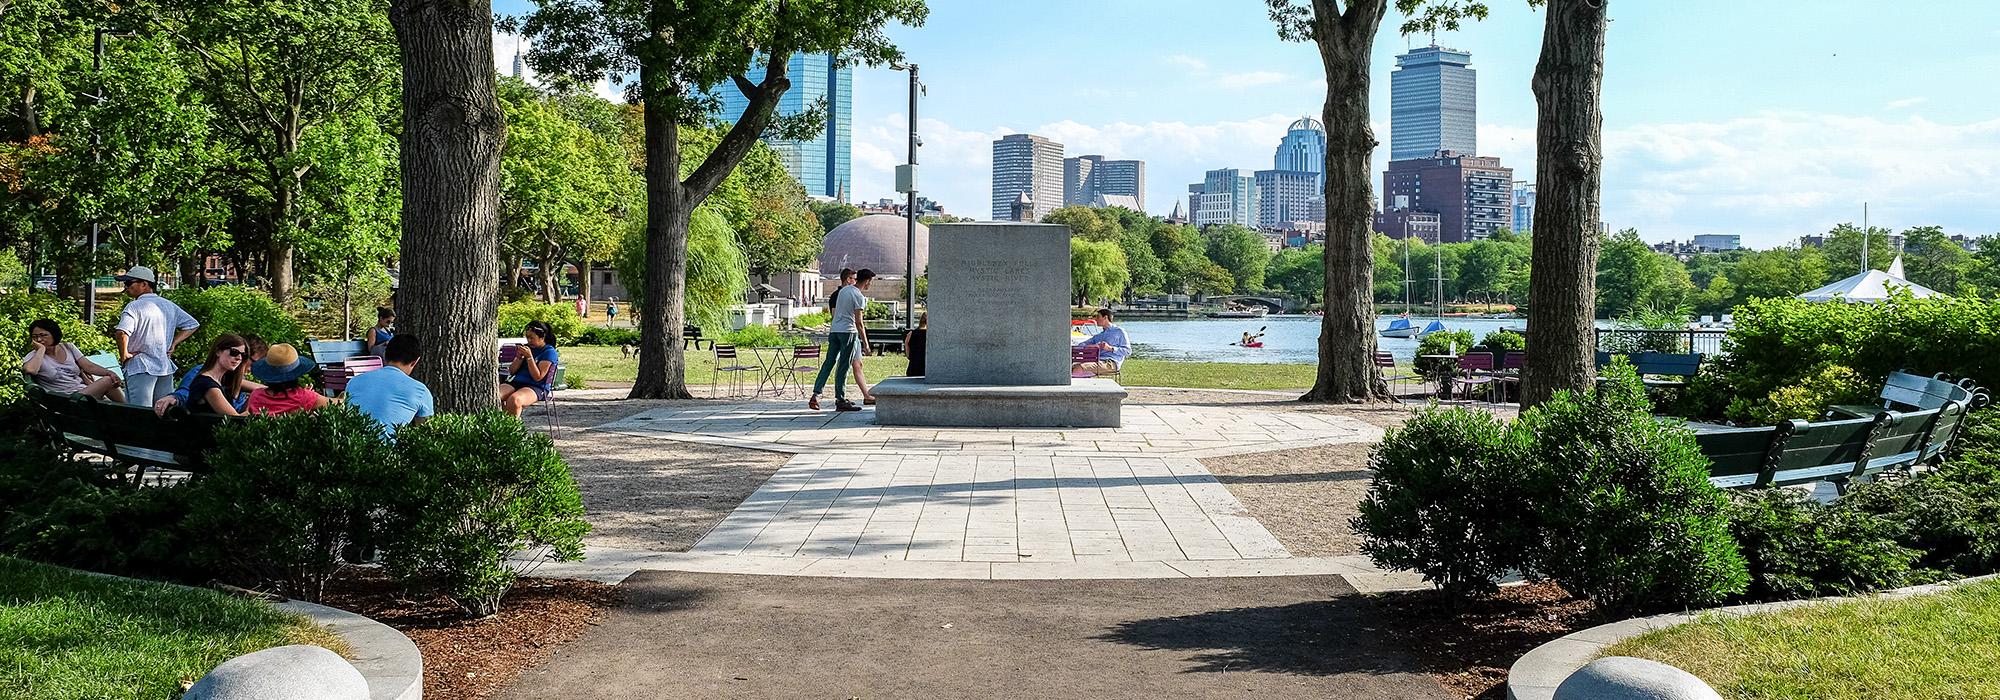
(1766, 118)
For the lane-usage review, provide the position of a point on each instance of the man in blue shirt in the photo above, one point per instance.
(389, 395)
(1113, 346)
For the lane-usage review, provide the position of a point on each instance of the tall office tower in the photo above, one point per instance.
(1303, 149)
(1224, 196)
(1031, 164)
(1433, 104)
(1470, 194)
(823, 163)
(1086, 178)
(1524, 206)
(1285, 196)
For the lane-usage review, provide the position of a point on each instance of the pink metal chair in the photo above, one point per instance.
(1475, 369)
(334, 377)
(727, 360)
(805, 363)
(1084, 355)
(1386, 363)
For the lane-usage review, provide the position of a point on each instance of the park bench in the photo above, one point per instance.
(691, 337)
(1658, 364)
(127, 435)
(1839, 451)
(331, 351)
(1903, 391)
(882, 340)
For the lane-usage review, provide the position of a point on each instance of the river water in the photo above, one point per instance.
(1287, 339)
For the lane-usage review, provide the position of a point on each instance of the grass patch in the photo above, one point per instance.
(66, 635)
(1933, 646)
(607, 364)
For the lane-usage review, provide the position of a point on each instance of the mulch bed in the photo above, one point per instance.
(473, 659)
(1470, 646)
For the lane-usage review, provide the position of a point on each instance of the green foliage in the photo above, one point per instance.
(1809, 398)
(566, 192)
(1084, 223)
(1632, 278)
(877, 311)
(816, 319)
(562, 318)
(1798, 548)
(832, 214)
(228, 309)
(1951, 514)
(473, 492)
(717, 274)
(1300, 272)
(1446, 342)
(1627, 514)
(598, 335)
(1842, 250)
(1503, 339)
(1446, 501)
(1781, 342)
(322, 305)
(68, 513)
(1242, 252)
(284, 492)
(1639, 332)
(1097, 269)
(755, 336)
(17, 310)
(575, 380)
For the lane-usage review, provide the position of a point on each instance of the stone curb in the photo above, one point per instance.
(388, 659)
(613, 566)
(1536, 675)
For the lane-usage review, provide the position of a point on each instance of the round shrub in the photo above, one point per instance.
(1446, 500)
(597, 335)
(1504, 339)
(472, 492)
(1440, 343)
(756, 336)
(562, 318)
(1799, 548)
(1807, 399)
(1951, 515)
(285, 493)
(1628, 517)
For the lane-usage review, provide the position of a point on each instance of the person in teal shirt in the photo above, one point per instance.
(388, 394)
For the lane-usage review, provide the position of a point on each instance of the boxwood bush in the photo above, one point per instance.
(474, 493)
(1446, 501)
(1799, 548)
(286, 493)
(1780, 342)
(562, 318)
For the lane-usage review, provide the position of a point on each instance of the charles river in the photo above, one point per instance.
(1287, 339)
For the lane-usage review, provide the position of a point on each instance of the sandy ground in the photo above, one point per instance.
(683, 635)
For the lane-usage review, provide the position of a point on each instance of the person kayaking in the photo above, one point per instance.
(1253, 340)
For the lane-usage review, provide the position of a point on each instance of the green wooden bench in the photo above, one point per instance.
(127, 435)
(1903, 391)
(1658, 364)
(1838, 451)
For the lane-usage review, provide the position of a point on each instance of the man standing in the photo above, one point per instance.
(388, 394)
(844, 333)
(1113, 346)
(147, 332)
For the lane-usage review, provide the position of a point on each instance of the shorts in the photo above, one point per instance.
(541, 392)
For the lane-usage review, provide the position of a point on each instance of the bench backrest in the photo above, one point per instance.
(1950, 418)
(126, 433)
(1680, 364)
(1811, 452)
(1904, 391)
(1737, 456)
(1898, 441)
(324, 351)
(109, 361)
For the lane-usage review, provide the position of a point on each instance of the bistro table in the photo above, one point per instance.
(773, 368)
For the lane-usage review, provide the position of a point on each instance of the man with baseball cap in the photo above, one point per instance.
(148, 330)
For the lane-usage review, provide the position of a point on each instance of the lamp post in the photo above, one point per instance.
(906, 182)
(96, 156)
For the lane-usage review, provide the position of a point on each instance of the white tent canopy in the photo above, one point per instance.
(1871, 286)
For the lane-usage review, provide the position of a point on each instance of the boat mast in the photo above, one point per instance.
(1406, 275)
(1437, 277)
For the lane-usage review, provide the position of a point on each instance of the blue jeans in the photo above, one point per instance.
(839, 352)
(144, 389)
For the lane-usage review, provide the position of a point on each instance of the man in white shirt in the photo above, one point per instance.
(841, 339)
(147, 332)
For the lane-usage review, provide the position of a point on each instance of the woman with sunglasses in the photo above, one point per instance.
(60, 368)
(532, 373)
(214, 390)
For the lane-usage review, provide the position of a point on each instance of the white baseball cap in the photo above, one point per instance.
(140, 273)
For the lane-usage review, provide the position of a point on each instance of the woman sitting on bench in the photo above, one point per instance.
(60, 368)
(221, 378)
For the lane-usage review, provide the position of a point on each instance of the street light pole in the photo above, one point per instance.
(910, 271)
(96, 155)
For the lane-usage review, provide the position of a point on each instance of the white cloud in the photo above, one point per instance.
(1186, 61)
(505, 47)
(1906, 102)
(1249, 79)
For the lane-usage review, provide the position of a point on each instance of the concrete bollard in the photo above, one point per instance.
(296, 672)
(1629, 678)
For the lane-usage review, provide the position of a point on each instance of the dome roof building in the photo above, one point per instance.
(874, 242)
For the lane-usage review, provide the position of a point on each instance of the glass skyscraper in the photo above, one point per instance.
(1303, 149)
(824, 163)
(1433, 104)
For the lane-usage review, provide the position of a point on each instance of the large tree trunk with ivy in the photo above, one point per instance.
(453, 131)
(662, 308)
(1569, 163)
(1347, 371)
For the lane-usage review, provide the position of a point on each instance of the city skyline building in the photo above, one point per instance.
(1026, 164)
(1433, 103)
(823, 163)
(1085, 178)
(1288, 195)
(1303, 149)
(1472, 195)
(1524, 206)
(1718, 241)
(1224, 196)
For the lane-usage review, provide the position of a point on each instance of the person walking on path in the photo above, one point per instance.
(611, 311)
(148, 330)
(860, 349)
(845, 333)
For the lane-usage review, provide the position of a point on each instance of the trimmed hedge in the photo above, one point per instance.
(562, 318)
(1778, 343)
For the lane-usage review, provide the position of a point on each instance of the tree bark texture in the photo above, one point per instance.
(1569, 162)
(662, 365)
(453, 131)
(1347, 372)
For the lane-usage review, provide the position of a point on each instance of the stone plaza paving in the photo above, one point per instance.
(860, 499)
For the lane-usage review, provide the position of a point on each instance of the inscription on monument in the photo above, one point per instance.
(999, 304)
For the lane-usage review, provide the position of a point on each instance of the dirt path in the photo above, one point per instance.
(682, 635)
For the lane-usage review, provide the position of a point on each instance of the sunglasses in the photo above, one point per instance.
(234, 352)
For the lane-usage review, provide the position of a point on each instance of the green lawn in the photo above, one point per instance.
(1934, 646)
(66, 635)
(607, 364)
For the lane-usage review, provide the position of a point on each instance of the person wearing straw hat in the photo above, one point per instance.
(281, 369)
(148, 330)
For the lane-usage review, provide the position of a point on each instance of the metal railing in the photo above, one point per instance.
(1706, 341)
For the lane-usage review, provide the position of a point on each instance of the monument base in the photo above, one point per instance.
(1084, 403)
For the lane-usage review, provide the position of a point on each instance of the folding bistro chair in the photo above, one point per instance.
(1387, 364)
(1510, 371)
(1083, 355)
(726, 360)
(800, 369)
(1474, 369)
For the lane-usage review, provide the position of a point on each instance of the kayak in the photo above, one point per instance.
(1249, 345)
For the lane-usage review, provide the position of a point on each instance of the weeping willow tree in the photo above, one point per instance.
(718, 273)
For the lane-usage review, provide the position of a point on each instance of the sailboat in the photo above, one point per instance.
(1402, 327)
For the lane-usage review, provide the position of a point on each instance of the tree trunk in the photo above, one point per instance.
(278, 272)
(453, 131)
(662, 367)
(551, 269)
(1347, 371)
(583, 285)
(1569, 162)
